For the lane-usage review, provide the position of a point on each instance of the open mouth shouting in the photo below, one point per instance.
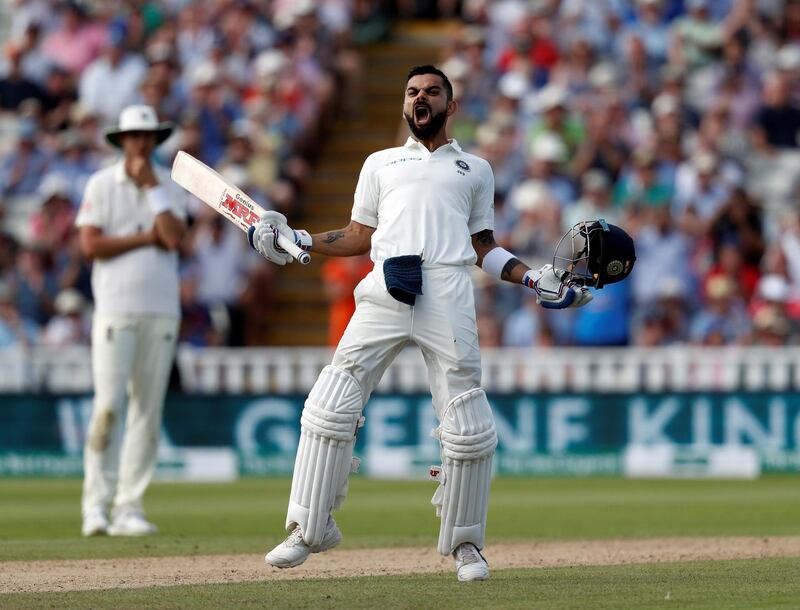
(422, 114)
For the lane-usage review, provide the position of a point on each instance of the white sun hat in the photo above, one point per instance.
(549, 147)
(531, 196)
(138, 117)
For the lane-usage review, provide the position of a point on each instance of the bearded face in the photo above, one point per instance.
(423, 123)
(425, 107)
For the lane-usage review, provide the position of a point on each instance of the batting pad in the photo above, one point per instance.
(327, 434)
(468, 439)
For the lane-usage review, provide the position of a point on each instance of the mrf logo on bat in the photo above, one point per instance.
(237, 208)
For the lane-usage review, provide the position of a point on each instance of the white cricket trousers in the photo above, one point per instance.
(132, 358)
(442, 323)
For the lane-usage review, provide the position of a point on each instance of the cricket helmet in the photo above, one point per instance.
(595, 253)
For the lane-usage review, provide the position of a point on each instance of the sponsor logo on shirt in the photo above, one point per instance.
(403, 160)
(462, 166)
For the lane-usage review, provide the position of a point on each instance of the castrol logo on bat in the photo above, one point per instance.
(237, 208)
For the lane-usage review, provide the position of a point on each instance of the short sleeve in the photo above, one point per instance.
(365, 204)
(92, 210)
(178, 198)
(481, 216)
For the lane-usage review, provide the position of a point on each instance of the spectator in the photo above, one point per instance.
(110, 83)
(15, 87)
(662, 251)
(777, 119)
(222, 266)
(340, 277)
(525, 326)
(22, 169)
(51, 225)
(771, 328)
(551, 103)
(547, 156)
(651, 29)
(595, 201)
(77, 41)
(724, 320)
(607, 322)
(538, 225)
(16, 330)
(69, 326)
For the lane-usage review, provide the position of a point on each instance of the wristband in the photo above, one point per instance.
(530, 277)
(495, 260)
(302, 239)
(158, 198)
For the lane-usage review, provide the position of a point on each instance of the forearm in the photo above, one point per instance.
(102, 247)
(170, 230)
(496, 261)
(352, 240)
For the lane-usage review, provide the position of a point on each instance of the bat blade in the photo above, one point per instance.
(233, 203)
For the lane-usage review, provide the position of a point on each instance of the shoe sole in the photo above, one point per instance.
(285, 565)
(113, 532)
(93, 533)
(321, 549)
(486, 577)
(483, 575)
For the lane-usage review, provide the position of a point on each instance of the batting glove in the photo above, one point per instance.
(263, 237)
(552, 292)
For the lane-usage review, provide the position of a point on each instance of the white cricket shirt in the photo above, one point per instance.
(143, 280)
(425, 203)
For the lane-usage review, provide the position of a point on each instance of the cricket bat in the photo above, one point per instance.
(233, 203)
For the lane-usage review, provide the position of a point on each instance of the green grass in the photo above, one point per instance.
(40, 519)
(767, 583)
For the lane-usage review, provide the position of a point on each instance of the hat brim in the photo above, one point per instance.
(114, 135)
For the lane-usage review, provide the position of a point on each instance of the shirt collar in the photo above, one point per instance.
(120, 175)
(411, 143)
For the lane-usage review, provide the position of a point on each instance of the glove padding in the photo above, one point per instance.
(554, 293)
(263, 237)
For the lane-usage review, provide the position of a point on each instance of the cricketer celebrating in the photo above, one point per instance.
(426, 210)
(130, 223)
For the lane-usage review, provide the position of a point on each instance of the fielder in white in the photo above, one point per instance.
(130, 223)
(426, 211)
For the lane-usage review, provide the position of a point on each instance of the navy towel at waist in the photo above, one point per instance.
(403, 275)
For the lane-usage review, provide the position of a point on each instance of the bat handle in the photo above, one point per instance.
(298, 253)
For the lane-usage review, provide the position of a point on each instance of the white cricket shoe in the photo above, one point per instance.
(293, 551)
(130, 522)
(470, 564)
(95, 522)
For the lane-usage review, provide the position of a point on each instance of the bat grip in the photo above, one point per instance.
(298, 253)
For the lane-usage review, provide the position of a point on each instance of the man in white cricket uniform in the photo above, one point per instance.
(425, 210)
(130, 223)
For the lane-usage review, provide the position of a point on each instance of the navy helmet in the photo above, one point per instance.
(595, 253)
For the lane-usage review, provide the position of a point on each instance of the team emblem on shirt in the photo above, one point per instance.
(462, 165)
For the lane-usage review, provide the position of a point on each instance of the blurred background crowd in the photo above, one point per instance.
(675, 119)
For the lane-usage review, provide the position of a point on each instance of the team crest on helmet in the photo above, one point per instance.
(460, 164)
(614, 268)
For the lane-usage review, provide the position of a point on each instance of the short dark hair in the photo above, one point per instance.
(429, 69)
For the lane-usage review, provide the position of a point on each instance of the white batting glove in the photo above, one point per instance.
(263, 237)
(552, 292)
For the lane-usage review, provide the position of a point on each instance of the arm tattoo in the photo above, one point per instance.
(512, 264)
(485, 237)
(333, 236)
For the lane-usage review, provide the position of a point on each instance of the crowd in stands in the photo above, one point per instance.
(250, 87)
(675, 119)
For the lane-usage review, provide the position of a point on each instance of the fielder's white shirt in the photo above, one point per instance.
(143, 280)
(425, 203)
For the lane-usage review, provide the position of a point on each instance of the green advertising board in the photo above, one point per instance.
(554, 434)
